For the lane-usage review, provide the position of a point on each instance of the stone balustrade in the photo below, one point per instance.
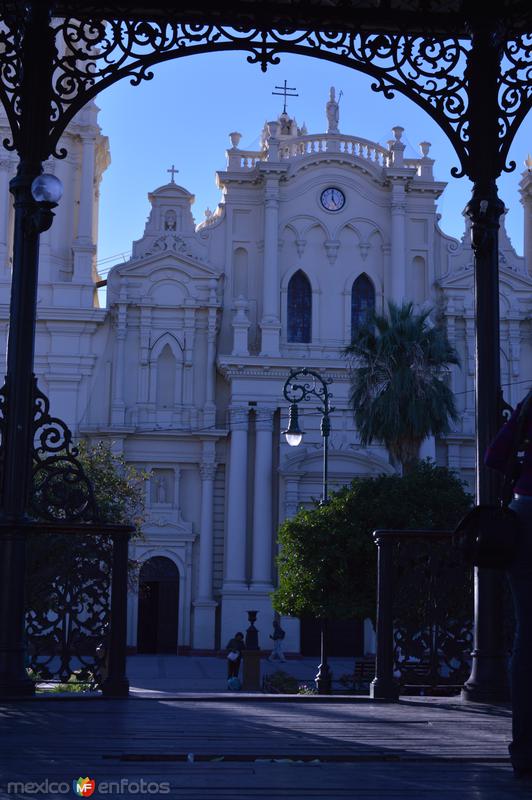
(302, 146)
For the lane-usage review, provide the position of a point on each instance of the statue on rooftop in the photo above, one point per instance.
(333, 112)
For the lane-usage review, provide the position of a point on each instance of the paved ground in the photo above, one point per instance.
(177, 738)
(156, 675)
(249, 748)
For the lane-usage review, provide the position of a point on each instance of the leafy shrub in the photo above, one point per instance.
(328, 560)
(280, 682)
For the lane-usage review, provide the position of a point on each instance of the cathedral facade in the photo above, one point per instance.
(183, 369)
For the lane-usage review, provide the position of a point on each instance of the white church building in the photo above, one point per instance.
(183, 370)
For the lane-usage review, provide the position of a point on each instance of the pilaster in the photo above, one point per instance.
(118, 406)
(205, 605)
(262, 502)
(235, 542)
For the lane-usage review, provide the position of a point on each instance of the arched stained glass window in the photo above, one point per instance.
(299, 308)
(362, 302)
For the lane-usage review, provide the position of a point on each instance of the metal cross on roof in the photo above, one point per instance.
(173, 172)
(285, 93)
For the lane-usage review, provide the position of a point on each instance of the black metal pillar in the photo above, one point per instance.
(116, 683)
(323, 679)
(37, 50)
(384, 686)
(488, 680)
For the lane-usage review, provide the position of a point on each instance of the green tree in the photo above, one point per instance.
(328, 560)
(399, 393)
(119, 494)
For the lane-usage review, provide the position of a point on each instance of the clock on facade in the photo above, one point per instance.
(332, 199)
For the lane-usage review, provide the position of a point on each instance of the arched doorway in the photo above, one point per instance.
(158, 606)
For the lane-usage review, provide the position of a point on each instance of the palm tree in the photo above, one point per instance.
(399, 394)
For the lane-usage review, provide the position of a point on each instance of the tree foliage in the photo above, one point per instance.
(399, 393)
(328, 560)
(119, 493)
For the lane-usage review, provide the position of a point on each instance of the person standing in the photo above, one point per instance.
(234, 654)
(277, 636)
(520, 580)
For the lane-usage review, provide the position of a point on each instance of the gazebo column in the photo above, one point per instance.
(17, 438)
(488, 680)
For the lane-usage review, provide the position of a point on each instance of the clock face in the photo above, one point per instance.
(332, 199)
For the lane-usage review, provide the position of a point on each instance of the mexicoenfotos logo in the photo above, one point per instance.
(84, 787)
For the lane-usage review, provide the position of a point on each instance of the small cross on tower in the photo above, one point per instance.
(285, 90)
(173, 171)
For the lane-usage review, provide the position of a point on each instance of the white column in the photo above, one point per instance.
(207, 472)
(209, 409)
(398, 265)
(86, 204)
(526, 200)
(262, 502)
(144, 353)
(83, 246)
(204, 606)
(270, 324)
(235, 554)
(118, 405)
(291, 495)
(188, 372)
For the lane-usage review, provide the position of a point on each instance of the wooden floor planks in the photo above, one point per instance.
(420, 748)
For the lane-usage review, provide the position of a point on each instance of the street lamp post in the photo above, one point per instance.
(303, 385)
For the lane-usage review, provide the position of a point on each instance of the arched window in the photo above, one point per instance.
(299, 312)
(166, 373)
(362, 302)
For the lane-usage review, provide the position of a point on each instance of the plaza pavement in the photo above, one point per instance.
(151, 676)
(201, 747)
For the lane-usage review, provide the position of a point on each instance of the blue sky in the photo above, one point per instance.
(184, 115)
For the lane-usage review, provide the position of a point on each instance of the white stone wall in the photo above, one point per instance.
(183, 370)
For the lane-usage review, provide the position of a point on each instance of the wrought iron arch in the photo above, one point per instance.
(430, 68)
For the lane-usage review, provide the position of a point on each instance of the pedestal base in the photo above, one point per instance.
(251, 673)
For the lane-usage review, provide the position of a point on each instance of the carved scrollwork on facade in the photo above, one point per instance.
(61, 490)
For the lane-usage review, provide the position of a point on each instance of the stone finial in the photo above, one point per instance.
(235, 137)
(273, 128)
(425, 165)
(273, 141)
(528, 162)
(398, 132)
(397, 147)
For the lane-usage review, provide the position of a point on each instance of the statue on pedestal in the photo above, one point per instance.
(333, 112)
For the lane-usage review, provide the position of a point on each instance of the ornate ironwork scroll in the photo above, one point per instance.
(68, 601)
(433, 610)
(93, 53)
(61, 490)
